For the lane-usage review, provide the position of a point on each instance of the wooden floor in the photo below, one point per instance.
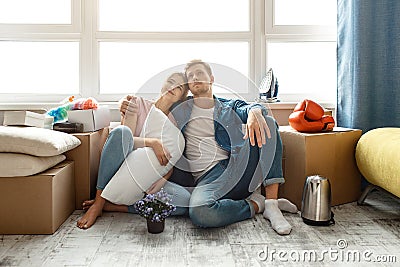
(371, 231)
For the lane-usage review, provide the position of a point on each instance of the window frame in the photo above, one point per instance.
(84, 29)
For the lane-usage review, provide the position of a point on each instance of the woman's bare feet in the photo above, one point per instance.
(89, 218)
(87, 204)
(94, 211)
(108, 206)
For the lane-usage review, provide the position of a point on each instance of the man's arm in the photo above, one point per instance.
(256, 125)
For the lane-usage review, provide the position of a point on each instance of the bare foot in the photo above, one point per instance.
(108, 206)
(87, 204)
(89, 218)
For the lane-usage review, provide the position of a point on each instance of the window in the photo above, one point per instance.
(174, 15)
(304, 12)
(121, 73)
(35, 12)
(137, 40)
(304, 69)
(51, 49)
(301, 48)
(39, 67)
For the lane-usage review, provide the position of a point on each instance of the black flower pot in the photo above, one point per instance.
(155, 227)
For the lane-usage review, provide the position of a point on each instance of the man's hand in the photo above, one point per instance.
(160, 151)
(128, 104)
(156, 186)
(257, 127)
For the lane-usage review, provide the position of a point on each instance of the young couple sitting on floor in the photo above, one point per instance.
(196, 149)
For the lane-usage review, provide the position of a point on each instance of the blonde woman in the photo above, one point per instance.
(139, 155)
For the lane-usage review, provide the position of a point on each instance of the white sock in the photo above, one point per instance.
(259, 200)
(274, 215)
(286, 205)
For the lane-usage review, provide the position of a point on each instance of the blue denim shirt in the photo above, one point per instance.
(229, 117)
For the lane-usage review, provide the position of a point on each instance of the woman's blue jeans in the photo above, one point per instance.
(219, 197)
(117, 147)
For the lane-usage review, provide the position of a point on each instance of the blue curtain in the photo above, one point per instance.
(368, 51)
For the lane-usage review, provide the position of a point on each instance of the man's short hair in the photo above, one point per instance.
(198, 62)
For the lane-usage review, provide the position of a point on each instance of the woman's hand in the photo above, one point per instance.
(160, 151)
(156, 186)
(257, 127)
(128, 104)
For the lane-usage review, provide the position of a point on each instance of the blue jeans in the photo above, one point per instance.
(219, 197)
(118, 145)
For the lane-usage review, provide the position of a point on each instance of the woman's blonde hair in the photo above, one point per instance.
(185, 83)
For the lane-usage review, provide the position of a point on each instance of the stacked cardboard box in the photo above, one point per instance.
(329, 154)
(87, 160)
(37, 204)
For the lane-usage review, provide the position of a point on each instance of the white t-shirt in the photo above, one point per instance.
(202, 151)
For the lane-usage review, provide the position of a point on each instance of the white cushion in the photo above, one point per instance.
(35, 141)
(141, 168)
(14, 164)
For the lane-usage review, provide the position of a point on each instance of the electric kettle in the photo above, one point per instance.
(316, 201)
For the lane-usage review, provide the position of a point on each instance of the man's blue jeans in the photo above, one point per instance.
(219, 197)
(117, 147)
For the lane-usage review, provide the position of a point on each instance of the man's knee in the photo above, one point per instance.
(272, 123)
(205, 216)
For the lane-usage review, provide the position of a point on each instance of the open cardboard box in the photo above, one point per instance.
(37, 204)
(92, 119)
(329, 154)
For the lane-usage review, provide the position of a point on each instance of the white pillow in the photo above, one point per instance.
(36, 141)
(14, 164)
(141, 168)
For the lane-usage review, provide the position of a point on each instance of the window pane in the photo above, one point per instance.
(174, 15)
(126, 67)
(305, 12)
(39, 67)
(35, 12)
(304, 68)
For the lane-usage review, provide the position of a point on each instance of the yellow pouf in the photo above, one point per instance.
(378, 159)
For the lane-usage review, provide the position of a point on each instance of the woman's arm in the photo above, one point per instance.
(157, 185)
(129, 109)
(160, 151)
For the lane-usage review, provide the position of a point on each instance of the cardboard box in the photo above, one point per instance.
(92, 119)
(329, 154)
(27, 118)
(37, 204)
(87, 160)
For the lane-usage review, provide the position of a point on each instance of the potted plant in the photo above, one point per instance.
(155, 208)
